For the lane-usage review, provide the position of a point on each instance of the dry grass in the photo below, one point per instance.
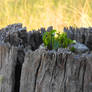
(37, 13)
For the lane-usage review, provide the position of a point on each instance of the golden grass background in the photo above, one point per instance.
(43, 13)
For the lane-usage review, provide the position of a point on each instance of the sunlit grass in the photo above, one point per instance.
(43, 13)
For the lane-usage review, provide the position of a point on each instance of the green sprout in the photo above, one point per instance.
(51, 41)
(72, 49)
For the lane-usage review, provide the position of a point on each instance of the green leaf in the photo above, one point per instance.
(72, 49)
(56, 44)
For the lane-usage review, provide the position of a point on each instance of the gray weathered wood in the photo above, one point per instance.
(25, 66)
(7, 67)
(61, 71)
(82, 35)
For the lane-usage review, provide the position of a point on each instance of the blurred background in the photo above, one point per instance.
(43, 13)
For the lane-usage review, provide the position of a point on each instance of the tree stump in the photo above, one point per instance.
(25, 67)
(47, 71)
(8, 56)
(82, 35)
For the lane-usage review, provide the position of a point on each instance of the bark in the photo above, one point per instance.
(47, 71)
(82, 35)
(7, 67)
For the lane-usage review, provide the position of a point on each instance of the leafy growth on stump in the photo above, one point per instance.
(72, 49)
(53, 40)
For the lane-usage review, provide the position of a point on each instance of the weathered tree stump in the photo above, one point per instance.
(47, 71)
(83, 35)
(25, 67)
(8, 56)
